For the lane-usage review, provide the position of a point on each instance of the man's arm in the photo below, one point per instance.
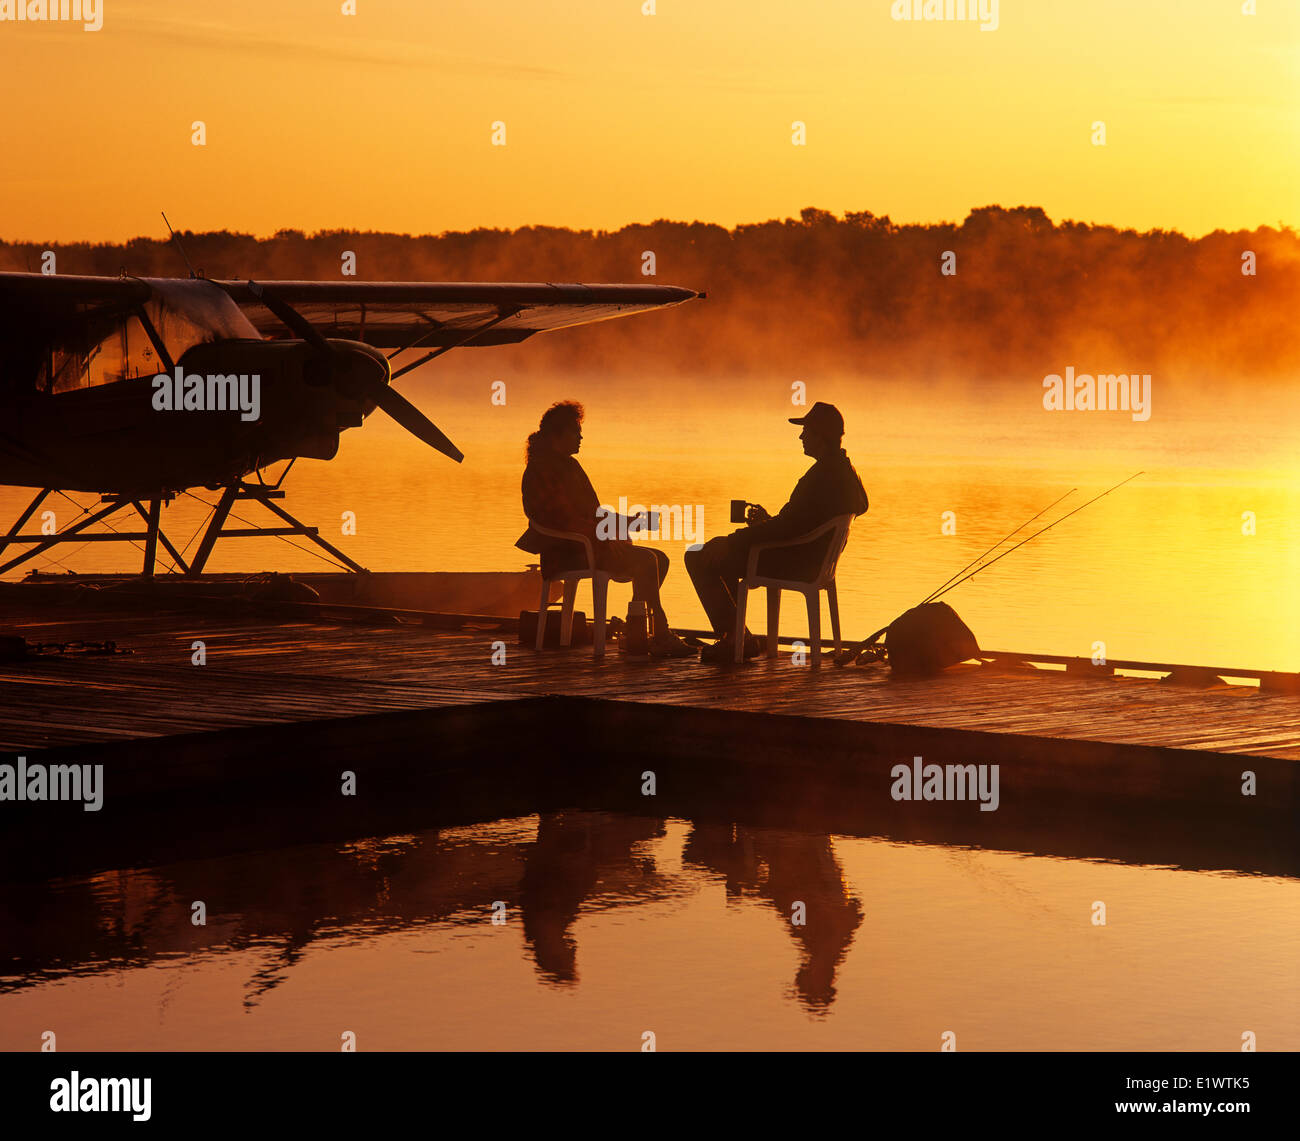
(799, 516)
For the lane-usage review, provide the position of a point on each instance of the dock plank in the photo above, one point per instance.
(261, 672)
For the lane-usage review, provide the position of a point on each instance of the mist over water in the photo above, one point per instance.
(1003, 292)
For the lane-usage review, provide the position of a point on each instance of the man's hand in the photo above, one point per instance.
(756, 514)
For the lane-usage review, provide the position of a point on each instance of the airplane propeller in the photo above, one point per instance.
(372, 388)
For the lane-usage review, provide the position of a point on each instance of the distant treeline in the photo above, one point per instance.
(823, 293)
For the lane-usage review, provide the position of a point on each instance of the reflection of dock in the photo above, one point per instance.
(1127, 768)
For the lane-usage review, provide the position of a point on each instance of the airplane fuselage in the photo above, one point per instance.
(226, 409)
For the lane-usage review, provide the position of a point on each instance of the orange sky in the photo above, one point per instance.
(383, 120)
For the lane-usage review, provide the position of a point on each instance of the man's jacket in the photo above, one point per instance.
(829, 488)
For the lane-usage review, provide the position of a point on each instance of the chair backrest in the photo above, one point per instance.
(839, 527)
(570, 536)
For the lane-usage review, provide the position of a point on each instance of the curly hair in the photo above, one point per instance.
(557, 416)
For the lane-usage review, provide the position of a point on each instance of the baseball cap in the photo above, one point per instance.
(823, 418)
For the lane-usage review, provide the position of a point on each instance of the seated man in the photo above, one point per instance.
(558, 495)
(829, 488)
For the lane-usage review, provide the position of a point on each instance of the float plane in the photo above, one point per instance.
(140, 388)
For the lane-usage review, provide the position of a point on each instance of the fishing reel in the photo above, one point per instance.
(865, 653)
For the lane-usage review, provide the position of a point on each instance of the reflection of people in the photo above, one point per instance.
(574, 854)
(787, 868)
(829, 488)
(558, 494)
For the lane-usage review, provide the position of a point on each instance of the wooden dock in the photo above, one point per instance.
(269, 671)
(453, 716)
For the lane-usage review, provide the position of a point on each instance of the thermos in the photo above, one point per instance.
(637, 638)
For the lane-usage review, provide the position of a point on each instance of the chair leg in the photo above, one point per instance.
(742, 603)
(566, 616)
(599, 598)
(541, 613)
(773, 619)
(814, 600)
(833, 603)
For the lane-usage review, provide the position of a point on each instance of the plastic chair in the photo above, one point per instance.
(811, 591)
(599, 591)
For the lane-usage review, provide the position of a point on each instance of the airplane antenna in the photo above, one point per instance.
(178, 243)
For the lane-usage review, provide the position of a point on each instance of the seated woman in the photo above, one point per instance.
(558, 494)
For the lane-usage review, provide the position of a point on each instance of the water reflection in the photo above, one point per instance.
(617, 922)
(548, 870)
(786, 869)
(577, 859)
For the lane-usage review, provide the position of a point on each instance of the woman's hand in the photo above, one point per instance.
(756, 514)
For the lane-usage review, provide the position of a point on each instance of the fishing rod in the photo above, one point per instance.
(935, 594)
(869, 641)
(1035, 535)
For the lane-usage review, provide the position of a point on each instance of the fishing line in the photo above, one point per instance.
(964, 576)
(1044, 511)
(1035, 535)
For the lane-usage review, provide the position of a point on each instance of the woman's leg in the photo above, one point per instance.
(649, 569)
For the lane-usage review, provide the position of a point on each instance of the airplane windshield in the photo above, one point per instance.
(189, 313)
(183, 313)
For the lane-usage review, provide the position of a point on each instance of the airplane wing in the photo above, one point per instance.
(391, 315)
(70, 289)
(63, 300)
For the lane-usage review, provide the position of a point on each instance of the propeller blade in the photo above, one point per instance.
(415, 421)
(383, 394)
(296, 322)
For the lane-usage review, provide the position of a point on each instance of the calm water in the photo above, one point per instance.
(618, 925)
(1160, 570)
